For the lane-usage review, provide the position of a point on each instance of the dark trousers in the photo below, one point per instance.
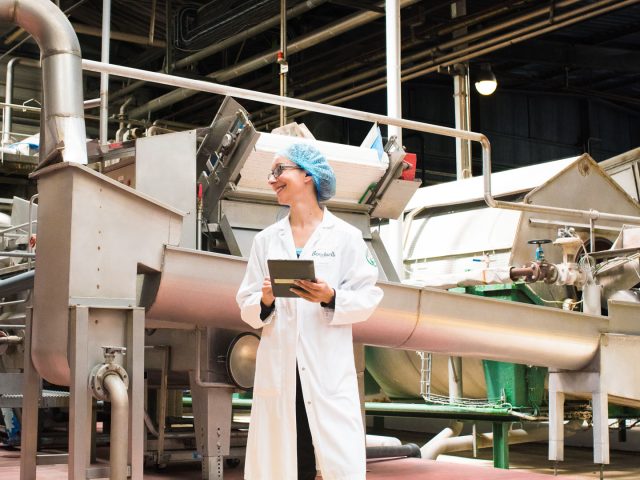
(306, 453)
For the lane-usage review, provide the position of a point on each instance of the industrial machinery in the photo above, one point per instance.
(139, 256)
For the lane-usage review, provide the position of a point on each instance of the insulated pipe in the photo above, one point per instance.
(62, 130)
(406, 450)
(119, 436)
(329, 31)
(438, 444)
(8, 95)
(434, 448)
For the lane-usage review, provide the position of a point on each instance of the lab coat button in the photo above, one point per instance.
(303, 369)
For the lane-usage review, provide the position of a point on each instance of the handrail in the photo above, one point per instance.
(219, 89)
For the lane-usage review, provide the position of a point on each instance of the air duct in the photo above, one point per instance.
(62, 131)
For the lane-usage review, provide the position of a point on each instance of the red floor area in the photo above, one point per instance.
(380, 469)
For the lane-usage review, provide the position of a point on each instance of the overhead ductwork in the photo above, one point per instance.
(62, 131)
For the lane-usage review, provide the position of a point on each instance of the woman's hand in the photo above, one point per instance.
(267, 292)
(317, 292)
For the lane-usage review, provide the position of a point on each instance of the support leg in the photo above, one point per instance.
(501, 445)
(556, 420)
(212, 423)
(600, 405)
(29, 432)
(135, 367)
(80, 402)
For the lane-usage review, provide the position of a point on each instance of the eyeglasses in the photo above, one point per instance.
(279, 170)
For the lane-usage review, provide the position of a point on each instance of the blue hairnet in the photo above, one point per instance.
(313, 162)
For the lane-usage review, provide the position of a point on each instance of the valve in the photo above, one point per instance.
(109, 367)
(110, 353)
(539, 250)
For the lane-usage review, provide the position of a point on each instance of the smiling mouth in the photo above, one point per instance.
(279, 189)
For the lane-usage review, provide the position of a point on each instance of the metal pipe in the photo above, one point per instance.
(557, 211)
(121, 36)
(62, 132)
(8, 95)
(118, 439)
(12, 302)
(17, 254)
(210, 87)
(11, 340)
(16, 284)
(283, 61)
(152, 21)
(430, 52)
(577, 15)
(104, 77)
(430, 66)
(25, 108)
(329, 31)
(228, 42)
(394, 109)
(92, 103)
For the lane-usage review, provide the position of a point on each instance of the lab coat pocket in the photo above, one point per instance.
(268, 379)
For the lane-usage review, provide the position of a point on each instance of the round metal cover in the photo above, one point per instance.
(241, 359)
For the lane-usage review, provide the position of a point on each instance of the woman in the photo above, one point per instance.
(305, 396)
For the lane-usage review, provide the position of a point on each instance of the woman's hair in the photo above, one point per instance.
(310, 159)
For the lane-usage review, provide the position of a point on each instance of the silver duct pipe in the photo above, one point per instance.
(119, 436)
(8, 95)
(261, 60)
(62, 131)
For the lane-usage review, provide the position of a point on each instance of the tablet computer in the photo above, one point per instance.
(284, 272)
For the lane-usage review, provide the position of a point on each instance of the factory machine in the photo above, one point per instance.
(140, 252)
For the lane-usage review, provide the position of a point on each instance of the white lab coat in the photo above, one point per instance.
(320, 340)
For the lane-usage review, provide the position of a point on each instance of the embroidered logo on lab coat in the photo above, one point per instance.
(323, 253)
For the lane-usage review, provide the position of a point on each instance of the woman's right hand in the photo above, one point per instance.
(267, 292)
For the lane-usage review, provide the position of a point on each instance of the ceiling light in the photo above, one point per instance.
(486, 82)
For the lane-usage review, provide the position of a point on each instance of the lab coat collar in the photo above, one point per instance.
(328, 221)
(284, 227)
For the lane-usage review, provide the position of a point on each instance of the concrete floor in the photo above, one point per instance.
(379, 469)
(528, 462)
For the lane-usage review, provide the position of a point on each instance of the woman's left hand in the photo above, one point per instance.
(317, 292)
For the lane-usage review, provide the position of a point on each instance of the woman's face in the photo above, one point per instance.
(287, 180)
